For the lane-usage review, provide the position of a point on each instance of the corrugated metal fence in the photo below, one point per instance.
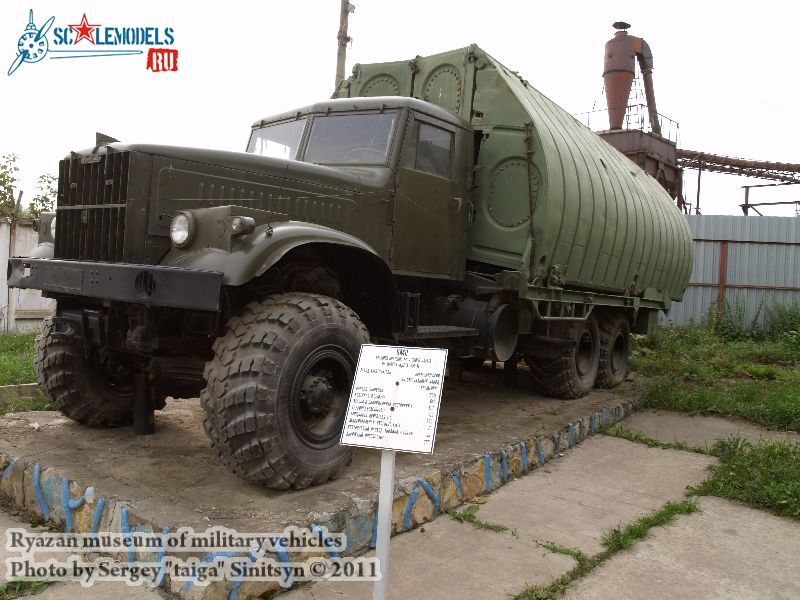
(751, 260)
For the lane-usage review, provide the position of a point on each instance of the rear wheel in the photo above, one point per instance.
(614, 350)
(277, 389)
(572, 374)
(91, 392)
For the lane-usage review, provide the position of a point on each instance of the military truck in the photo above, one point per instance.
(439, 201)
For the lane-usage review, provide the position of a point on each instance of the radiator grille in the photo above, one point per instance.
(92, 192)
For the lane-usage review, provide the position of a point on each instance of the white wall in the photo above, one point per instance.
(21, 311)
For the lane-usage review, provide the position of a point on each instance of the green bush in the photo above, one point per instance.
(765, 474)
(730, 324)
(783, 319)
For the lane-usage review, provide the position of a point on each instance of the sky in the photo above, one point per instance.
(723, 71)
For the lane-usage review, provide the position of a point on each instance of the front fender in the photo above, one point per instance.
(253, 254)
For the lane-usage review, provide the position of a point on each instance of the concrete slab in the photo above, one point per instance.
(68, 590)
(487, 435)
(453, 560)
(668, 427)
(593, 489)
(725, 551)
(175, 475)
(7, 521)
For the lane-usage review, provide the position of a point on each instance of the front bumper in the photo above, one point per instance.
(151, 285)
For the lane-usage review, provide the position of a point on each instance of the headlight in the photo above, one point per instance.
(181, 230)
(53, 228)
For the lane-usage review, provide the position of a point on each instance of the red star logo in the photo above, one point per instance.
(84, 30)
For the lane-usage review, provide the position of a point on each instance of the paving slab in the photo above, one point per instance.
(68, 590)
(668, 426)
(725, 551)
(572, 501)
(7, 521)
(593, 489)
(453, 560)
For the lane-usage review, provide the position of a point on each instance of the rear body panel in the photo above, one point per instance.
(549, 193)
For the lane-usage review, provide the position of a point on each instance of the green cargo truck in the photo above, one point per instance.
(439, 201)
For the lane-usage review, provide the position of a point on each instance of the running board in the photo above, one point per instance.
(433, 332)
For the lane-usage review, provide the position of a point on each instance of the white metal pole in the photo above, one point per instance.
(385, 501)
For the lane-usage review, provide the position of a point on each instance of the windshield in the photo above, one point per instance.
(350, 139)
(279, 141)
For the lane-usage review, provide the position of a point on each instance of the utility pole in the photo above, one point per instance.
(12, 246)
(343, 38)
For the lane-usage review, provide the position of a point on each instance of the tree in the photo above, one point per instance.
(8, 181)
(46, 191)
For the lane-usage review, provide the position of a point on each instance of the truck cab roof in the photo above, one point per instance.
(371, 103)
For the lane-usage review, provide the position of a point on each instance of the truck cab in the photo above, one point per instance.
(413, 161)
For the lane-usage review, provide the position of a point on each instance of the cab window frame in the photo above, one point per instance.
(411, 158)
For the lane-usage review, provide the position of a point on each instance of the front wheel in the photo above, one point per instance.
(277, 389)
(84, 388)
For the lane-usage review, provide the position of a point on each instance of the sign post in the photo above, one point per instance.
(394, 407)
(380, 589)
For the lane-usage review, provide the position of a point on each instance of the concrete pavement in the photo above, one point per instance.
(726, 551)
(68, 590)
(597, 486)
(702, 431)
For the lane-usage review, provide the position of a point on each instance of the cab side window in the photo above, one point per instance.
(434, 150)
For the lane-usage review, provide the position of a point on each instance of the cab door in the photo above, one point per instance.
(431, 211)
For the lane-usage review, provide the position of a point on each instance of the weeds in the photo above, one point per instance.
(766, 474)
(586, 564)
(19, 589)
(692, 369)
(730, 324)
(621, 431)
(623, 537)
(15, 404)
(783, 319)
(468, 516)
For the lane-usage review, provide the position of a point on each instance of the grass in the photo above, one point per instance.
(16, 359)
(468, 516)
(15, 404)
(586, 564)
(766, 474)
(621, 538)
(695, 370)
(621, 431)
(20, 589)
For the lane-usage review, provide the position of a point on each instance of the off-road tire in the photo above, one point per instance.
(614, 350)
(75, 385)
(572, 374)
(249, 405)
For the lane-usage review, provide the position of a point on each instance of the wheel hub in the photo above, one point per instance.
(318, 394)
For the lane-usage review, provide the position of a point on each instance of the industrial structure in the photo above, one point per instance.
(644, 143)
